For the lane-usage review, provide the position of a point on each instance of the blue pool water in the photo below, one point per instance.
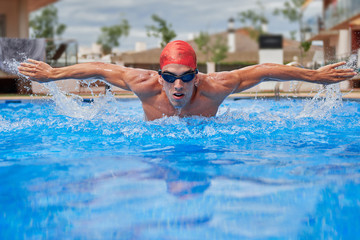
(261, 169)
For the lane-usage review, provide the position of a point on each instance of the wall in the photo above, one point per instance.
(270, 56)
(71, 86)
(16, 15)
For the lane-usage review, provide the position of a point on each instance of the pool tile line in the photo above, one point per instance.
(352, 96)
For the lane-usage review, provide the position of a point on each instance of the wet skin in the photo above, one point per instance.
(200, 97)
(179, 98)
(179, 93)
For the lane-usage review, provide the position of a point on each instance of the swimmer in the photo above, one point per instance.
(178, 89)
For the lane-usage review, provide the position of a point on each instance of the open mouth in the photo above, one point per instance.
(178, 95)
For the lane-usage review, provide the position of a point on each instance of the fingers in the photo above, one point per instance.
(26, 69)
(334, 65)
(33, 61)
(27, 64)
(30, 63)
(346, 71)
(344, 75)
(29, 74)
(339, 77)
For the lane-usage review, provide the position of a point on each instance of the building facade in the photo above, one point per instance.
(339, 30)
(14, 23)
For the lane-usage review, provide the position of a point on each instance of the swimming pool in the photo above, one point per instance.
(261, 169)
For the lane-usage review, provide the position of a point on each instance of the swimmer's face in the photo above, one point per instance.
(179, 93)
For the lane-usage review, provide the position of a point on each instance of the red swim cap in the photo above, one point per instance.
(178, 52)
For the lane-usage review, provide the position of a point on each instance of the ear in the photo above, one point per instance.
(196, 81)
(161, 80)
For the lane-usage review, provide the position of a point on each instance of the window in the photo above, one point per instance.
(355, 40)
(2, 25)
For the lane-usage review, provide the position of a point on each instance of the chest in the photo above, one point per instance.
(161, 107)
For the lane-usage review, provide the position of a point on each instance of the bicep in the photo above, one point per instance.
(222, 84)
(248, 77)
(239, 80)
(125, 77)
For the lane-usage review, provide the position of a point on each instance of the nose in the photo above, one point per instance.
(178, 84)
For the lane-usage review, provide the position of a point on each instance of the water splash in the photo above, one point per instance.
(11, 66)
(73, 105)
(69, 104)
(320, 107)
(328, 99)
(351, 62)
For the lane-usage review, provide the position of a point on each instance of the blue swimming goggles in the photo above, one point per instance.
(170, 77)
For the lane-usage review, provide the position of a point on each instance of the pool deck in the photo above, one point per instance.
(351, 95)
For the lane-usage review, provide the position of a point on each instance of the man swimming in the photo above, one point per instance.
(178, 89)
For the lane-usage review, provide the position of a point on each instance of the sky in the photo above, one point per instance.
(84, 18)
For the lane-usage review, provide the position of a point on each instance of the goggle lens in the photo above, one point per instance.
(170, 77)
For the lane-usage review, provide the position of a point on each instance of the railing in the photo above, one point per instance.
(313, 26)
(60, 53)
(340, 11)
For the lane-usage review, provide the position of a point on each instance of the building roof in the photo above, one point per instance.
(247, 51)
(33, 5)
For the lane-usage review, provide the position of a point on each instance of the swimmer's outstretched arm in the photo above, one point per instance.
(119, 76)
(250, 76)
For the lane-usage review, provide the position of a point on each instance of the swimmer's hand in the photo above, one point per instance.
(329, 74)
(36, 70)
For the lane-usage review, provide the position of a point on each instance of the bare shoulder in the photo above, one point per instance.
(222, 84)
(213, 81)
(134, 79)
(144, 83)
(216, 86)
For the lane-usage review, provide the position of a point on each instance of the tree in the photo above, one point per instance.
(110, 36)
(203, 43)
(217, 49)
(255, 18)
(293, 10)
(162, 30)
(46, 25)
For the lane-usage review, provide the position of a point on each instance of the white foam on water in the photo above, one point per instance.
(4, 124)
(20, 124)
(72, 105)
